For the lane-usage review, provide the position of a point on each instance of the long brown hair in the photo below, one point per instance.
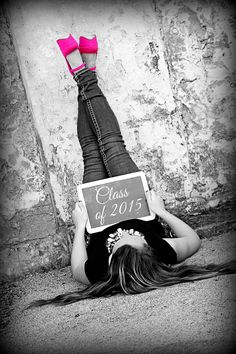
(134, 271)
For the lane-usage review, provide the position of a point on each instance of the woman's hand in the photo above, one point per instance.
(80, 215)
(155, 202)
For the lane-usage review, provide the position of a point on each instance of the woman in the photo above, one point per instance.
(133, 256)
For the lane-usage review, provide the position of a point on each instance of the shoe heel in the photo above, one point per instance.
(87, 45)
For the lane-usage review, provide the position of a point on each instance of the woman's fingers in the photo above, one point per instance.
(80, 212)
(148, 195)
(79, 204)
(151, 194)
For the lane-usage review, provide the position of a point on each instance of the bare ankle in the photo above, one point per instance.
(89, 59)
(74, 59)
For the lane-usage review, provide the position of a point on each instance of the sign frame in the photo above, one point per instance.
(109, 180)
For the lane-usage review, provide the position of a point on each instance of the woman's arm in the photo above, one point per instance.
(187, 241)
(79, 252)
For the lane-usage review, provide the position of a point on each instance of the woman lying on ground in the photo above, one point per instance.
(133, 256)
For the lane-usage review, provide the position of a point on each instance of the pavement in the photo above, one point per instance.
(196, 317)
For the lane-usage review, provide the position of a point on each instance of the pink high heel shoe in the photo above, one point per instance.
(88, 46)
(67, 46)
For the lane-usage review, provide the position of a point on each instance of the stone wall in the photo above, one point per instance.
(167, 70)
(30, 236)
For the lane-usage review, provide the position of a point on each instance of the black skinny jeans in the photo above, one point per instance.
(103, 148)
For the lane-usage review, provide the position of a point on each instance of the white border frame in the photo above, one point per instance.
(108, 180)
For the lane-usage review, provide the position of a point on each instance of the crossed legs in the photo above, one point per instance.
(102, 144)
(94, 168)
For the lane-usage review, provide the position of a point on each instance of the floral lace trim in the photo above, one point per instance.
(116, 236)
(167, 230)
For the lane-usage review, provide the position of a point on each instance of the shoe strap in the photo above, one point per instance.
(78, 68)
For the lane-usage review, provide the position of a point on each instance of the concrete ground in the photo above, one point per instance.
(197, 317)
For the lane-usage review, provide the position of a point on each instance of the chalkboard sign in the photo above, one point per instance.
(112, 200)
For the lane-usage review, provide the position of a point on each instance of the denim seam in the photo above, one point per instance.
(77, 75)
(96, 126)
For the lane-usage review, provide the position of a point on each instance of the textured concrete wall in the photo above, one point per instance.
(30, 238)
(167, 70)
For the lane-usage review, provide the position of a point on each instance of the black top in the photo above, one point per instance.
(96, 265)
